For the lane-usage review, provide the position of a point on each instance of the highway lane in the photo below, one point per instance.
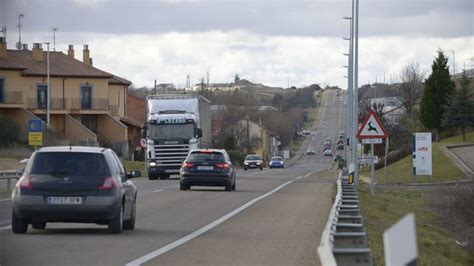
(166, 215)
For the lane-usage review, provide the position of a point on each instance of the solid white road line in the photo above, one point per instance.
(158, 190)
(206, 228)
(5, 199)
(5, 227)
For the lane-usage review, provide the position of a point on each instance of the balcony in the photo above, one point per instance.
(12, 97)
(56, 104)
(97, 104)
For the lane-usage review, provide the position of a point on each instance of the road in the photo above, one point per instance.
(276, 216)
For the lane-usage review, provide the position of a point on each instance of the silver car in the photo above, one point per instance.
(253, 161)
(74, 185)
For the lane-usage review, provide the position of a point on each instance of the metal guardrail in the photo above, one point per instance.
(344, 240)
(8, 175)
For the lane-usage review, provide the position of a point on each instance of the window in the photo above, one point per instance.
(42, 96)
(86, 97)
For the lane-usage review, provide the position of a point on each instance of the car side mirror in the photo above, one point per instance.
(134, 174)
(199, 133)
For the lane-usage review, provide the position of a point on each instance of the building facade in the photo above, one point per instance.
(86, 103)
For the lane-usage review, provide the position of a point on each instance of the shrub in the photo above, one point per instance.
(236, 156)
(10, 133)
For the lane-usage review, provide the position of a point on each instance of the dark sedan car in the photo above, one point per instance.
(207, 167)
(74, 185)
(276, 162)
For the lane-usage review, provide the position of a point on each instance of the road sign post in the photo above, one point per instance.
(372, 132)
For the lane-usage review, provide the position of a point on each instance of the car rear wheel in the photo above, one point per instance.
(115, 225)
(38, 225)
(233, 186)
(130, 224)
(19, 226)
(261, 168)
(228, 187)
(245, 168)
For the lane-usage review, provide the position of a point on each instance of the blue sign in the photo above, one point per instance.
(35, 125)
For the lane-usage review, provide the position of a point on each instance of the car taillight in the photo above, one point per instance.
(187, 165)
(109, 183)
(25, 182)
(223, 165)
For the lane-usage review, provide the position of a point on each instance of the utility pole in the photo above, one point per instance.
(154, 88)
(48, 90)
(248, 134)
(207, 80)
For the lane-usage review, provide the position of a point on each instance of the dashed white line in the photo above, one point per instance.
(5, 199)
(179, 242)
(158, 190)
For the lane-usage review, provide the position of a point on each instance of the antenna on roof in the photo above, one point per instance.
(54, 38)
(18, 44)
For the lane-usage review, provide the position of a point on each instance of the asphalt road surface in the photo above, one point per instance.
(276, 217)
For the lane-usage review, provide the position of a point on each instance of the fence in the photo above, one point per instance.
(7, 176)
(344, 240)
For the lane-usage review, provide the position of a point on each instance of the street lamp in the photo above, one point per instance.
(48, 90)
(350, 106)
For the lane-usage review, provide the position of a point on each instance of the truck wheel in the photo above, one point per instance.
(152, 177)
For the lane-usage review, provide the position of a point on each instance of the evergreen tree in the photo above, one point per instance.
(459, 111)
(438, 87)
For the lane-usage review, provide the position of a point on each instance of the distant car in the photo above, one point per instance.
(73, 184)
(327, 152)
(306, 132)
(310, 151)
(253, 161)
(340, 147)
(276, 162)
(207, 167)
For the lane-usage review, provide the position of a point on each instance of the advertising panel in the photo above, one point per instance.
(422, 151)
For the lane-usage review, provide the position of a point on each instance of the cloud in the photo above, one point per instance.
(271, 60)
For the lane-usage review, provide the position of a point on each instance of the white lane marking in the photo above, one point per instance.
(5, 199)
(158, 190)
(179, 242)
(5, 227)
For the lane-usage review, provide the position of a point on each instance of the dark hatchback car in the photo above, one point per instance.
(74, 184)
(207, 167)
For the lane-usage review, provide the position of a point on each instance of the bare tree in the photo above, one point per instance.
(411, 88)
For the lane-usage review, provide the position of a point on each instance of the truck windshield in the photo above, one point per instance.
(171, 131)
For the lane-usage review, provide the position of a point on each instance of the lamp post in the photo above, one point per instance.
(355, 40)
(350, 108)
(48, 90)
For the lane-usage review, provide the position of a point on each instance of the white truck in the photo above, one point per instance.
(175, 125)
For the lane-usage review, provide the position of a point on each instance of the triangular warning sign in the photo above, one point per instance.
(372, 128)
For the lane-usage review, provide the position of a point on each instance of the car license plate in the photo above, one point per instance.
(205, 168)
(64, 200)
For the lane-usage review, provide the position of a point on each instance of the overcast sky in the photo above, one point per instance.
(269, 42)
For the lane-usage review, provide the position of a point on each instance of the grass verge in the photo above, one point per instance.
(443, 168)
(436, 245)
(135, 165)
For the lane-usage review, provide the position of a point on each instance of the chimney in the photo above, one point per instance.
(3, 48)
(25, 46)
(70, 51)
(37, 52)
(86, 56)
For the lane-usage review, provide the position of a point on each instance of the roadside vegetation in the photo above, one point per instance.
(443, 168)
(436, 244)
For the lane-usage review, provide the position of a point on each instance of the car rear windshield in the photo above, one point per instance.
(206, 157)
(276, 159)
(253, 157)
(70, 163)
